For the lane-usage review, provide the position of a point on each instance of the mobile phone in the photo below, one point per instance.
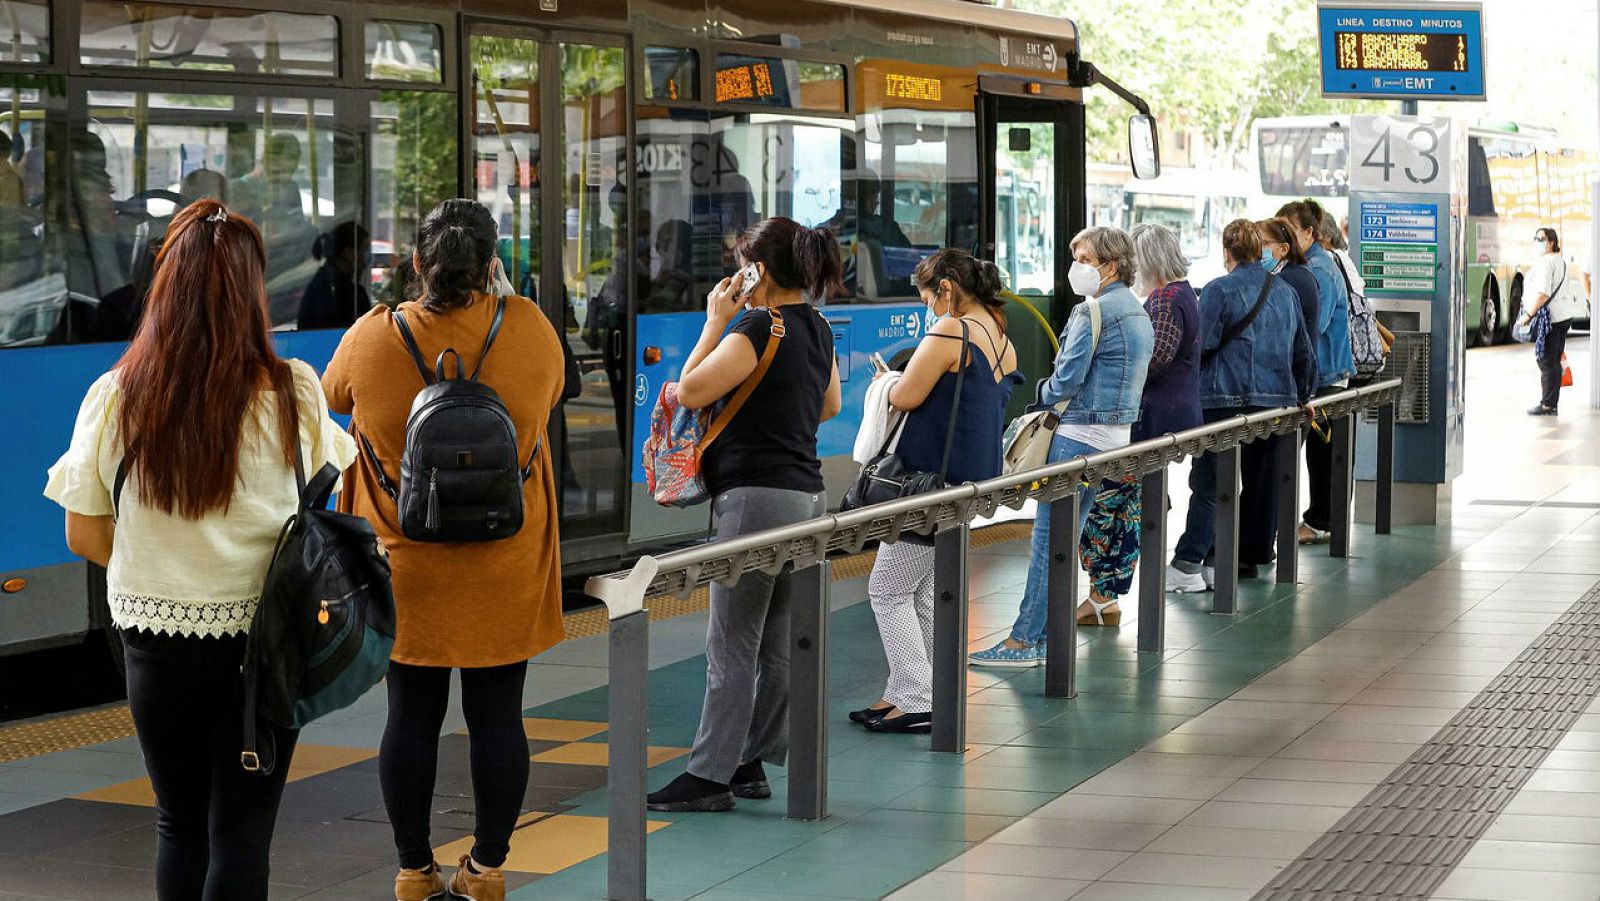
(749, 277)
(878, 363)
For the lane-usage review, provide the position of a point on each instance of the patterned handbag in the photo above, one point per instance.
(679, 436)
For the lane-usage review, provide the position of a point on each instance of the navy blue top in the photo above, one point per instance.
(1171, 400)
(976, 453)
(1305, 287)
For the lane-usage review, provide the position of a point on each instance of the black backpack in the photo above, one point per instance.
(324, 625)
(461, 478)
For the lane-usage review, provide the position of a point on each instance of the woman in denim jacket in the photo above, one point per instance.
(1269, 364)
(1335, 363)
(1103, 381)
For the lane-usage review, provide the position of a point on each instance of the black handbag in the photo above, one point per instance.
(885, 477)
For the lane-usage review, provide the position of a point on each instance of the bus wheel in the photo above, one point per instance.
(1488, 316)
(1513, 310)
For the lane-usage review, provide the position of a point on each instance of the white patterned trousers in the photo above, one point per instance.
(901, 589)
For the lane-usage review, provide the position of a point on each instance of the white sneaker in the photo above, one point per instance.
(1185, 583)
(1209, 573)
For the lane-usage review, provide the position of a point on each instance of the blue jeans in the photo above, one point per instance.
(1031, 619)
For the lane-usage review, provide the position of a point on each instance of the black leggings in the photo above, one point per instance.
(491, 698)
(1555, 344)
(213, 820)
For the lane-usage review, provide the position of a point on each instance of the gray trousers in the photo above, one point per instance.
(746, 712)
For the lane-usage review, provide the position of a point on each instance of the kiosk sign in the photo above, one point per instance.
(1403, 51)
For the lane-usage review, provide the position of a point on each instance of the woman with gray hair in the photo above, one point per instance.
(1096, 386)
(1171, 403)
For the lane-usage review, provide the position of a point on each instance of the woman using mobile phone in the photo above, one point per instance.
(762, 472)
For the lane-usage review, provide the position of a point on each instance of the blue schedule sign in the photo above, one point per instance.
(1405, 51)
(1412, 223)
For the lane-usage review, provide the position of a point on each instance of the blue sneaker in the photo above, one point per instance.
(1002, 656)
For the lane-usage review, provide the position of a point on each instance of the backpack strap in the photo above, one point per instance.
(1238, 328)
(384, 481)
(411, 346)
(494, 332)
(527, 471)
(749, 386)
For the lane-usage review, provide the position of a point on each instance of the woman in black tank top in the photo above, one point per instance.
(965, 292)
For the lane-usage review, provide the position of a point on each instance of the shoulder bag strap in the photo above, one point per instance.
(1238, 328)
(1349, 289)
(955, 405)
(1559, 284)
(116, 488)
(411, 346)
(494, 332)
(749, 386)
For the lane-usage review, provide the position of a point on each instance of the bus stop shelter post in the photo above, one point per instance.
(628, 761)
(1339, 508)
(1383, 495)
(1288, 475)
(950, 639)
(1061, 593)
(1153, 551)
(808, 691)
(1227, 535)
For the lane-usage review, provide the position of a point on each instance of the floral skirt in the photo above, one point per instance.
(1109, 548)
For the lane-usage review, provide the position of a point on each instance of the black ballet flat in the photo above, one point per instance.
(868, 714)
(905, 723)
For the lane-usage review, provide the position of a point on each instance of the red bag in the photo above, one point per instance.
(1566, 373)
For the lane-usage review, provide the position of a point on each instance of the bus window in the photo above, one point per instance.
(281, 162)
(1025, 238)
(33, 285)
(27, 32)
(414, 168)
(704, 183)
(404, 51)
(209, 39)
(1301, 160)
(1480, 182)
(671, 73)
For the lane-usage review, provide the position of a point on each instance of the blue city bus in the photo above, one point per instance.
(621, 145)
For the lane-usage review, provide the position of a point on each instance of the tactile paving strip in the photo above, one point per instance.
(1406, 836)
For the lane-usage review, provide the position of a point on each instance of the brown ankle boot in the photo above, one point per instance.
(419, 885)
(487, 884)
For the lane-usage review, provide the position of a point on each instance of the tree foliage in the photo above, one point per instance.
(1210, 66)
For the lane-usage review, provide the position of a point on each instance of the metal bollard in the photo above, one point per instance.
(1383, 495)
(1153, 554)
(628, 742)
(1340, 482)
(1227, 540)
(950, 639)
(1061, 593)
(808, 691)
(1288, 476)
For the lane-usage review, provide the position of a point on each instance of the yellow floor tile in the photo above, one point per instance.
(309, 760)
(594, 753)
(560, 730)
(546, 844)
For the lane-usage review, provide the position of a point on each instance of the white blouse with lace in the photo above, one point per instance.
(196, 577)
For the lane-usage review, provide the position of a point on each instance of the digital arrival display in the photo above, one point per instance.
(1402, 52)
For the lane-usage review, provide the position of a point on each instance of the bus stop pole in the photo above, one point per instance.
(1153, 552)
(950, 639)
(1226, 560)
(628, 756)
(808, 691)
(1288, 475)
(1061, 598)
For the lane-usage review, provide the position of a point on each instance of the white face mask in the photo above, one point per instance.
(1084, 279)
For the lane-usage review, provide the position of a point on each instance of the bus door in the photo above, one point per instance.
(1033, 180)
(550, 109)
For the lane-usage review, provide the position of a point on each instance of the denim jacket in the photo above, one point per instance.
(1271, 364)
(1103, 383)
(1332, 340)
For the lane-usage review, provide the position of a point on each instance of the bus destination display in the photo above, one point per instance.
(1383, 52)
(1426, 52)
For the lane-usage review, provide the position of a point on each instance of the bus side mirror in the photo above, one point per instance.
(1144, 150)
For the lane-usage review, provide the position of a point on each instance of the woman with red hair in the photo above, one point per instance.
(180, 474)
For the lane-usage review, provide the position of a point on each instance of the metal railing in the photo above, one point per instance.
(807, 546)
